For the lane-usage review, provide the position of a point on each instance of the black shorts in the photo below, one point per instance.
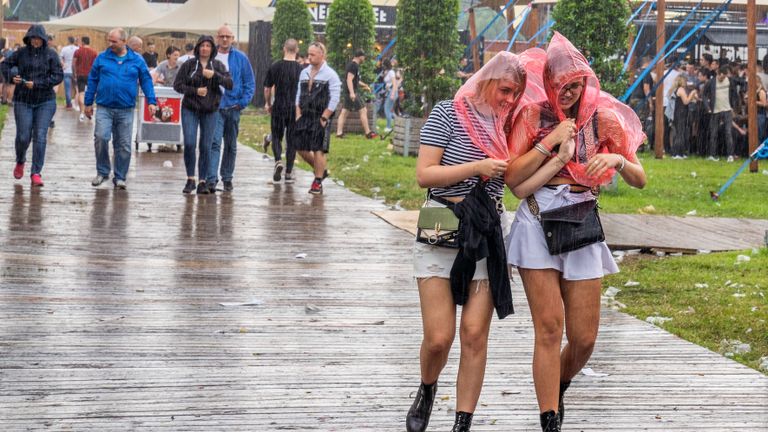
(310, 135)
(352, 105)
(81, 83)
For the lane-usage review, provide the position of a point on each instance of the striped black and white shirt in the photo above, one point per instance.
(443, 130)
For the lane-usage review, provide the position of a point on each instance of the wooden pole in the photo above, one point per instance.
(472, 37)
(751, 84)
(510, 19)
(660, 41)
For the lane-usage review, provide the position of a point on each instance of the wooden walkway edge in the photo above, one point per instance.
(148, 310)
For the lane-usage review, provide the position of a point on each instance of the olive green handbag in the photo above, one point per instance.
(438, 226)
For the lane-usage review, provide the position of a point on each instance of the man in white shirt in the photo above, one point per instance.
(67, 53)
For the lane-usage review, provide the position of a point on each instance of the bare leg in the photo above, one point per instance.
(321, 161)
(364, 120)
(308, 157)
(542, 287)
(340, 124)
(582, 319)
(438, 315)
(475, 326)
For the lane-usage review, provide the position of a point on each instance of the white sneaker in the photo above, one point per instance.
(387, 130)
(82, 117)
(677, 157)
(730, 159)
(713, 159)
(76, 107)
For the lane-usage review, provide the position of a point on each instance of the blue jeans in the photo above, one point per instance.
(115, 124)
(762, 127)
(227, 127)
(32, 121)
(190, 122)
(68, 78)
(389, 104)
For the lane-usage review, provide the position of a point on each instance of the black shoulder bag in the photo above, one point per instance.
(570, 227)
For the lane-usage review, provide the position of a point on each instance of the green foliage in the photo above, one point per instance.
(597, 27)
(349, 27)
(428, 51)
(292, 20)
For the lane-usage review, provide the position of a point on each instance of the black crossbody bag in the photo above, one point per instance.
(570, 227)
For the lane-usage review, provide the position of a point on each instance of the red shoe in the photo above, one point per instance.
(371, 135)
(18, 171)
(37, 180)
(317, 188)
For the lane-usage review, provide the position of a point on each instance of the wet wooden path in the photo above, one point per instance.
(111, 316)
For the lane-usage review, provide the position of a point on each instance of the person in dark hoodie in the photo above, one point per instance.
(200, 81)
(35, 69)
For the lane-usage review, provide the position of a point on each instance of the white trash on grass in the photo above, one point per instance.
(731, 347)
(631, 283)
(701, 285)
(657, 320)
(742, 259)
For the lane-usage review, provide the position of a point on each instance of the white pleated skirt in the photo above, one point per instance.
(527, 248)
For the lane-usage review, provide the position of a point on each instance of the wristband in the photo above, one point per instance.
(623, 162)
(541, 149)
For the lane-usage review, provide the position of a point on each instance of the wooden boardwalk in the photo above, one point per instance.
(111, 316)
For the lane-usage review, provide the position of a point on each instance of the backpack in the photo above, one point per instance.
(669, 111)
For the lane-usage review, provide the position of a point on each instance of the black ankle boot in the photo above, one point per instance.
(550, 422)
(463, 422)
(418, 416)
(560, 408)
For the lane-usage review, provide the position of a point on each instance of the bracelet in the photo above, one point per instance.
(541, 149)
(623, 162)
(564, 162)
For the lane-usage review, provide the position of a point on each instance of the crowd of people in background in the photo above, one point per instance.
(705, 106)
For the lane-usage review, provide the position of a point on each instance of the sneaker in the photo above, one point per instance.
(18, 171)
(730, 159)
(387, 130)
(289, 178)
(120, 184)
(317, 188)
(371, 135)
(81, 118)
(677, 157)
(212, 188)
(228, 186)
(202, 188)
(77, 108)
(99, 179)
(36, 180)
(713, 159)
(267, 142)
(189, 187)
(278, 171)
(325, 174)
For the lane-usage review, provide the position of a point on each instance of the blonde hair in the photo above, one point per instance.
(679, 82)
(319, 46)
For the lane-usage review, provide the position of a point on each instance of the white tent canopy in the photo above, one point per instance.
(108, 14)
(203, 17)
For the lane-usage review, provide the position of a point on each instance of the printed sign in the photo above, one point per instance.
(384, 15)
(168, 111)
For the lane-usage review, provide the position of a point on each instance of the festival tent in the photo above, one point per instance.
(202, 17)
(108, 14)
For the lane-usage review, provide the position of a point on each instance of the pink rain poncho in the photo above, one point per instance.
(604, 124)
(486, 122)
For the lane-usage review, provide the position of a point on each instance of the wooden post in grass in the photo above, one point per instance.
(472, 37)
(751, 84)
(660, 41)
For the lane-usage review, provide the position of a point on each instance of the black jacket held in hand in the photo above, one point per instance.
(190, 78)
(481, 237)
(39, 65)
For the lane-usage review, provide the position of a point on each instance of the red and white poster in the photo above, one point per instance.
(168, 111)
(67, 8)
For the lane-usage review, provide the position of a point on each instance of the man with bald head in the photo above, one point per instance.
(233, 101)
(135, 44)
(112, 85)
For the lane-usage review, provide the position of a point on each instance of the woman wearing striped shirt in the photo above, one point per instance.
(463, 142)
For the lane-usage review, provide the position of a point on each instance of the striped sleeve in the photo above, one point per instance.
(439, 126)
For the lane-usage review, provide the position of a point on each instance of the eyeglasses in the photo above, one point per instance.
(572, 88)
(225, 36)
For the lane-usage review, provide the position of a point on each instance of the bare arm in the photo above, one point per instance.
(350, 85)
(268, 99)
(429, 172)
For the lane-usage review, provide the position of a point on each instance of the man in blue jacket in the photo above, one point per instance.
(112, 84)
(234, 101)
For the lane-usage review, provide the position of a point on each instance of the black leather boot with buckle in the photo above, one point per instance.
(550, 421)
(418, 416)
(463, 422)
